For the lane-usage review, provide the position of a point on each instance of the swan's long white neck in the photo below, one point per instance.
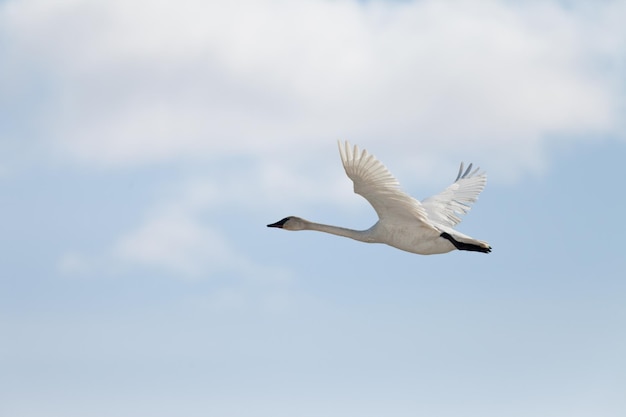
(360, 235)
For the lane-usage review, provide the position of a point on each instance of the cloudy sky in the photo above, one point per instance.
(144, 146)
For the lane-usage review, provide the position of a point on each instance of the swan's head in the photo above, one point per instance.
(290, 223)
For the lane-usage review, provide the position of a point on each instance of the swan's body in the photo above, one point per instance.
(405, 223)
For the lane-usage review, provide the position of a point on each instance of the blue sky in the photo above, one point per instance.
(144, 147)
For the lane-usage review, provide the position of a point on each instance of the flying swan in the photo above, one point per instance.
(405, 223)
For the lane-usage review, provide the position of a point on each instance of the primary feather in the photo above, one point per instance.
(446, 207)
(374, 182)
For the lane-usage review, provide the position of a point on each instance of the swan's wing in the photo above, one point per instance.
(373, 181)
(446, 207)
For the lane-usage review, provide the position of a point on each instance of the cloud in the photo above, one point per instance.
(177, 243)
(175, 236)
(268, 86)
(179, 236)
(143, 82)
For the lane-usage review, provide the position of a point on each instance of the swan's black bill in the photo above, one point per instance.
(279, 223)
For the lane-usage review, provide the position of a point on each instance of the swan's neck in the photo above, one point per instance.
(360, 235)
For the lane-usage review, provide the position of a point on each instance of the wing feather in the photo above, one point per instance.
(373, 181)
(456, 200)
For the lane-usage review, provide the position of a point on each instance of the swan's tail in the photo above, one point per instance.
(467, 243)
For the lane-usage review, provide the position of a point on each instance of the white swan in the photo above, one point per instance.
(423, 227)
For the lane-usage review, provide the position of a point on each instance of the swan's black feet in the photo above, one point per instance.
(465, 246)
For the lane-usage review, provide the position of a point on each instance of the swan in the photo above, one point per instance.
(425, 227)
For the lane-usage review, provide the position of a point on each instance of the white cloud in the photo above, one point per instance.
(175, 242)
(140, 81)
(173, 237)
(178, 236)
(422, 84)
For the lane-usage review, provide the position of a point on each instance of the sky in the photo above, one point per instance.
(145, 145)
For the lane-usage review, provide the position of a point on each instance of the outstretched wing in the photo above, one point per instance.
(374, 182)
(446, 207)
